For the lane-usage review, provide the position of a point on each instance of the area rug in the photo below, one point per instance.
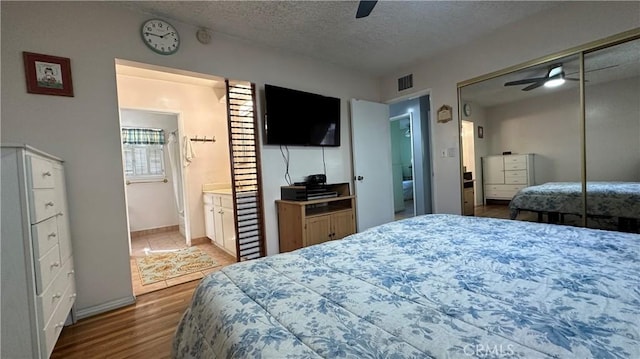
(155, 267)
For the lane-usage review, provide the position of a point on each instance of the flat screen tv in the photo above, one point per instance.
(300, 118)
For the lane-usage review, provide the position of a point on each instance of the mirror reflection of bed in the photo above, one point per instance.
(520, 116)
(407, 198)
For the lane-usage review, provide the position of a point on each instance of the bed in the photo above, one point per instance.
(433, 286)
(407, 190)
(604, 199)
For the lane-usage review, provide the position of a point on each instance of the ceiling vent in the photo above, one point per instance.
(405, 82)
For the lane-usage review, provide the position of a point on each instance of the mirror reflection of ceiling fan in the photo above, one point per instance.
(555, 77)
(364, 8)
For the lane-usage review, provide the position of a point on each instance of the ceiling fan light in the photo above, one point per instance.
(554, 82)
(554, 71)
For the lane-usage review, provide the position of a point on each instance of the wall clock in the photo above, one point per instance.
(467, 109)
(160, 36)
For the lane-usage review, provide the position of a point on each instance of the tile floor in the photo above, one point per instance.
(167, 241)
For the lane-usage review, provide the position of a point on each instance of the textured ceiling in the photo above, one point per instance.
(396, 34)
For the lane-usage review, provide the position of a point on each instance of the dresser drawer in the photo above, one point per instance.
(44, 236)
(513, 159)
(47, 268)
(42, 204)
(501, 191)
(52, 296)
(53, 328)
(515, 173)
(41, 173)
(515, 166)
(516, 180)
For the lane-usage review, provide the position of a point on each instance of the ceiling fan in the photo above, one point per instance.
(364, 8)
(555, 77)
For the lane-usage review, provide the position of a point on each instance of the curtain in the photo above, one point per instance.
(143, 136)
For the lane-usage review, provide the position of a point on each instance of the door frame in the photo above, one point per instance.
(418, 94)
(183, 174)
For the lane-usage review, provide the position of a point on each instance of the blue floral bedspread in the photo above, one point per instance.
(435, 286)
(612, 199)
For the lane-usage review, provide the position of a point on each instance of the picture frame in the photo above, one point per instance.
(47, 74)
(480, 132)
(445, 114)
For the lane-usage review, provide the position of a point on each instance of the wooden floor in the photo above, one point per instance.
(142, 330)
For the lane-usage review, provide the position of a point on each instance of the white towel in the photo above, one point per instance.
(189, 153)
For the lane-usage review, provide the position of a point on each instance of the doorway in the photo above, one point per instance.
(402, 165)
(153, 173)
(211, 133)
(419, 109)
(372, 163)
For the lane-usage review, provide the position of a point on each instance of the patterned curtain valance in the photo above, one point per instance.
(142, 136)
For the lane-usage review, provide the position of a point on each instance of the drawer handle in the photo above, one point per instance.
(71, 272)
(60, 325)
(55, 264)
(72, 296)
(48, 204)
(46, 174)
(52, 234)
(57, 295)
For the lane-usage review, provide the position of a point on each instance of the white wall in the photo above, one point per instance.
(613, 130)
(202, 115)
(151, 204)
(547, 126)
(571, 24)
(84, 129)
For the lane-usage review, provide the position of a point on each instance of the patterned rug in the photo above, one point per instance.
(155, 267)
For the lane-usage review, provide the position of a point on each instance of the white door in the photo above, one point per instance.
(371, 146)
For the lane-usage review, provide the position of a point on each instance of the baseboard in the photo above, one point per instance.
(146, 232)
(105, 307)
(201, 240)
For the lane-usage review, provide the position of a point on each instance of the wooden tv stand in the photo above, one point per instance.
(305, 223)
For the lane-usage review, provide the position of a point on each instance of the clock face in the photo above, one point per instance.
(160, 36)
(467, 109)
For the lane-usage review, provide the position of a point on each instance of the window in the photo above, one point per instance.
(143, 152)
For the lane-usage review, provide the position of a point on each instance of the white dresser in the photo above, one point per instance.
(504, 176)
(38, 278)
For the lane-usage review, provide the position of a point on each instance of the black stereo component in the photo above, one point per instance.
(306, 193)
(316, 179)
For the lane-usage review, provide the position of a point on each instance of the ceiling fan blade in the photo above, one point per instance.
(364, 8)
(533, 86)
(525, 81)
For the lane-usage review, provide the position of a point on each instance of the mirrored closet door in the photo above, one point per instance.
(557, 140)
(612, 136)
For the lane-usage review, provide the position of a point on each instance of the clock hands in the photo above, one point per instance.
(160, 36)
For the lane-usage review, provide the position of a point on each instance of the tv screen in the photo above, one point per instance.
(300, 118)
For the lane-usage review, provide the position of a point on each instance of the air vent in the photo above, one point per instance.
(405, 82)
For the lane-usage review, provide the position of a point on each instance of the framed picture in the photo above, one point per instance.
(48, 75)
(480, 132)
